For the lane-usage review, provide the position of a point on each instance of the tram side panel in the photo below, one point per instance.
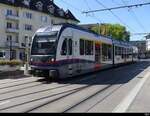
(73, 63)
(88, 53)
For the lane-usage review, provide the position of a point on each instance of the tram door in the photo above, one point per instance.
(98, 53)
(70, 55)
(97, 56)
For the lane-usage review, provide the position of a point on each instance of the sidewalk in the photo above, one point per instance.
(141, 102)
(14, 74)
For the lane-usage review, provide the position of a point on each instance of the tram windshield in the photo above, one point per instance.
(43, 45)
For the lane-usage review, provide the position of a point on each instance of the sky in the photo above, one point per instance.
(135, 19)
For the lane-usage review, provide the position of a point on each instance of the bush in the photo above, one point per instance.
(11, 62)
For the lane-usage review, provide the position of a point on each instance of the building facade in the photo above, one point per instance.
(141, 45)
(148, 42)
(23, 17)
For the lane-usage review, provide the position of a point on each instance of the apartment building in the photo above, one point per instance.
(23, 17)
(147, 42)
(141, 45)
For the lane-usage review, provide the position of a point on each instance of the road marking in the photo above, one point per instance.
(6, 102)
(123, 106)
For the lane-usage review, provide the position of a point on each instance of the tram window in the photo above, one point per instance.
(70, 46)
(64, 48)
(123, 52)
(127, 52)
(106, 52)
(118, 50)
(92, 48)
(86, 47)
(82, 48)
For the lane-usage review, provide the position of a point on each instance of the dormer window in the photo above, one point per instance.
(51, 9)
(39, 6)
(61, 12)
(26, 2)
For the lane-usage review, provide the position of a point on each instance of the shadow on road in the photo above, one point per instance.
(119, 75)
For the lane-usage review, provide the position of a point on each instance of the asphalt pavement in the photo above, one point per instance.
(122, 89)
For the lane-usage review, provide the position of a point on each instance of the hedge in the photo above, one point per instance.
(10, 62)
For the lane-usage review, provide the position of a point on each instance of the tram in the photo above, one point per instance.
(66, 50)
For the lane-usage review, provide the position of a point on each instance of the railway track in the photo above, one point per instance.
(74, 95)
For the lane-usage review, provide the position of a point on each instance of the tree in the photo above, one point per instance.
(115, 31)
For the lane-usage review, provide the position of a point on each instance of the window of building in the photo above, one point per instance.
(2, 54)
(9, 25)
(28, 27)
(28, 15)
(44, 19)
(26, 3)
(51, 9)
(9, 38)
(17, 39)
(39, 6)
(52, 21)
(9, 12)
(61, 12)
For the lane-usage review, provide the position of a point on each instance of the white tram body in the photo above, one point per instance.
(67, 50)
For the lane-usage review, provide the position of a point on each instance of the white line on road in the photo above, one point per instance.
(6, 102)
(123, 106)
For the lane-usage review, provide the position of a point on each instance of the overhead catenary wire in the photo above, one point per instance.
(101, 4)
(109, 9)
(133, 14)
(79, 10)
(93, 15)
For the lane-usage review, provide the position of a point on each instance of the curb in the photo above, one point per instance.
(12, 74)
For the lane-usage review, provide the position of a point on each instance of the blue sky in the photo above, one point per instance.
(136, 20)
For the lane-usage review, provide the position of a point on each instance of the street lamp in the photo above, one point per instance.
(98, 28)
(10, 48)
(26, 53)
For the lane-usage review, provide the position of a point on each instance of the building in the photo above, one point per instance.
(23, 17)
(148, 42)
(141, 45)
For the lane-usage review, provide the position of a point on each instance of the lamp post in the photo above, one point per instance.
(99, 28)
(10, 48)
(26, 54)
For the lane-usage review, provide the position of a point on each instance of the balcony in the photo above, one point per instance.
(12, 17)
(12, 30)
(12, 44)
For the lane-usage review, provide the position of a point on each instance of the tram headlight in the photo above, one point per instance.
(52, 59)
(31, 59)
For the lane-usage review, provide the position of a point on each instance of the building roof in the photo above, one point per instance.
(147, 36)
(45, 6)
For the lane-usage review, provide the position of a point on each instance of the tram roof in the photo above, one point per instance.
(62, 26)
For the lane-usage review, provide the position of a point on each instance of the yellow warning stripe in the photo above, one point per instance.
(95, 41)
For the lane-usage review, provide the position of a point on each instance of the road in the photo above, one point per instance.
(104, 91)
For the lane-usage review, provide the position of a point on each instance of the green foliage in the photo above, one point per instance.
(115, 31)
(10, 62)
